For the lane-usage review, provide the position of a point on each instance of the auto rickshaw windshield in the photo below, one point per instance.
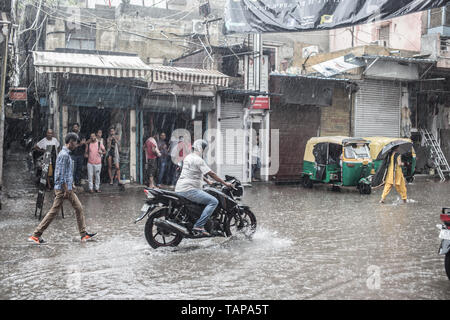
(356, 151)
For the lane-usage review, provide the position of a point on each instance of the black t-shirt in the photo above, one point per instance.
(79, 151)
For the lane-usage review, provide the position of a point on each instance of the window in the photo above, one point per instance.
(80, 36)
(356, 151)
(383, 35)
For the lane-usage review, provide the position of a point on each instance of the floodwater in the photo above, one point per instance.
(310, 244)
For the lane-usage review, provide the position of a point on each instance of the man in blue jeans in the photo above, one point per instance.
(189, 184)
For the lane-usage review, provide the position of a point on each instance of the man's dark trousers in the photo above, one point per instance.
(78, 161)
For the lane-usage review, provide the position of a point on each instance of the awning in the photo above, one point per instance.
(123, 66)
(397, 59)
(202, 76)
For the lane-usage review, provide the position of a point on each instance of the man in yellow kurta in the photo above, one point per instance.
(395, 177)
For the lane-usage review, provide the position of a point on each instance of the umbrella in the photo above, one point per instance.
(403, 147)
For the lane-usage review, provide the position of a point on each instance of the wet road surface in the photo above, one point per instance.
(310, 244)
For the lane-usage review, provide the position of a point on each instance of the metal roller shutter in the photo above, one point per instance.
(377, 109)
(232, 151)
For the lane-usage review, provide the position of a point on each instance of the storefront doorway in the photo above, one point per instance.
(92, 120)
(155, 122)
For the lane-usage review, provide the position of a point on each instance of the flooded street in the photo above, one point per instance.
(310, 244)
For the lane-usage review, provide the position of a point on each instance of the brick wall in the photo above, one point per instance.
(335, 120)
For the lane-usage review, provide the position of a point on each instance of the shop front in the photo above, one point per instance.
(98, 92)
(178, 117)
(103, 90)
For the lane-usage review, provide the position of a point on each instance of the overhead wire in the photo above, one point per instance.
(33, 25)
(35, 43)
(116, 27)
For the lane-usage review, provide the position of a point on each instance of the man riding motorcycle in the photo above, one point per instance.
(189, 184)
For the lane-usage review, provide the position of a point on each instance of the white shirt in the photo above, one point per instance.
(194, 167)
(44, 143)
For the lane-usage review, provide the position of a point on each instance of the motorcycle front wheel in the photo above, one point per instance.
(447, 265)
(156, 237)
(244, 224)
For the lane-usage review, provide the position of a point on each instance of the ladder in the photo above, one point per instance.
(437, 156)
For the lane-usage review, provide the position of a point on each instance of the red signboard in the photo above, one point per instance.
(259, 102)
(18, 94)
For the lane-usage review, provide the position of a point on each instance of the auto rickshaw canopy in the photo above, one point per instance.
(378, 143)
(340, 140)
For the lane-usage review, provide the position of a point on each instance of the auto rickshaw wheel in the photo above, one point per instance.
(307, 183)
(364, 188)
(335, 189)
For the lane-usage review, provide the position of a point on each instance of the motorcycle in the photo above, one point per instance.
(444, 234)
(171, 217)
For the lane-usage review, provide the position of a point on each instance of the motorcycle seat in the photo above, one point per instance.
(182, 199)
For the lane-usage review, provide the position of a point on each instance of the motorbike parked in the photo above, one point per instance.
(444, 234)
(171, 217)
(36, 162)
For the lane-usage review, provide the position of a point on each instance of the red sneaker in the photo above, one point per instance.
(88, 236)
(36, 240)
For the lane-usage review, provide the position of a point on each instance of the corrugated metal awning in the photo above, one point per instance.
(91, 64)
(310, 77)
(397, 59)
(202, 76)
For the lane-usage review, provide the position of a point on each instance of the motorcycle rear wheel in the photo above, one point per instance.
(245, 225)
(155, 236)
(447, 265)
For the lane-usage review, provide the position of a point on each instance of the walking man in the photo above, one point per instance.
(63, 190)
(395, 177)
(94, 152)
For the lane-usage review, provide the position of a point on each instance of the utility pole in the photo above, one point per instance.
(2, 101)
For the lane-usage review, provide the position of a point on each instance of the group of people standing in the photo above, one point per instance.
(95, 151)
(97, 155)
(162, 159)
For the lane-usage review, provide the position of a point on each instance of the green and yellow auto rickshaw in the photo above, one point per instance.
(339, 161)
(381, 146)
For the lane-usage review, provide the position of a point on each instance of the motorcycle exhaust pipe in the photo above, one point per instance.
(171, 226)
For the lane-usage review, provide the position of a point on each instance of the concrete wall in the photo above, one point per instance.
(55, 37)
(404, 33)
(431, 44)
(335, 120)
(137, 29)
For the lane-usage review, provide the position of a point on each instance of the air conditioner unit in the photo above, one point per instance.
(198, 27)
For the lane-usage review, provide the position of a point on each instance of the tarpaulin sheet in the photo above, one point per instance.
(262, 16)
